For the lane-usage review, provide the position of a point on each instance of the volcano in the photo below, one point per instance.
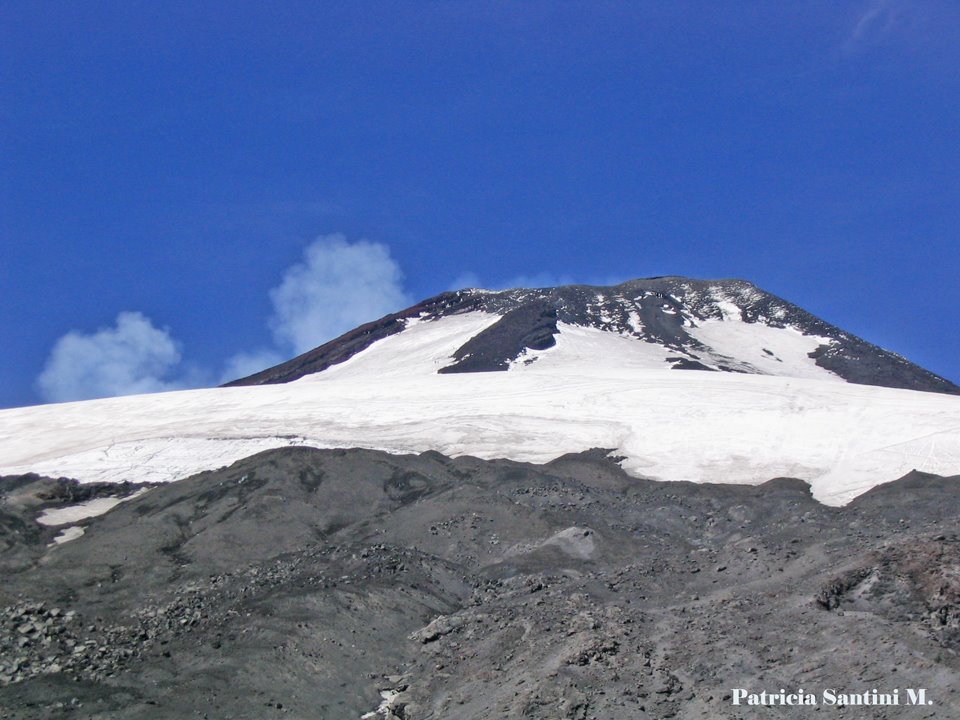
(650, 500)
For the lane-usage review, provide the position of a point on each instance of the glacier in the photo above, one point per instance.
(594, 389)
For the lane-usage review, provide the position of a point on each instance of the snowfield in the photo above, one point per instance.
(594, 389)
(84, 510)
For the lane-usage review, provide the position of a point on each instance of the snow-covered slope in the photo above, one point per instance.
(592, 388)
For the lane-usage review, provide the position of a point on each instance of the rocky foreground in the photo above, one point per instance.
(336, 584)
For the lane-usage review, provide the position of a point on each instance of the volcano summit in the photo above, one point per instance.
(685, 324)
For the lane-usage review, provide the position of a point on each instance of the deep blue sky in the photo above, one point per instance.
(175, 160)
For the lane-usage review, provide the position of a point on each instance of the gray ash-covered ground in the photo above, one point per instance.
(304, 583)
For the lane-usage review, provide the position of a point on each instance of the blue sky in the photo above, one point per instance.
(185, 186)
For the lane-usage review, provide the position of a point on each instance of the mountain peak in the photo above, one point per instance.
(676, 323)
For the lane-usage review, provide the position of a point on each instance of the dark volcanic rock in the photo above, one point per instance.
(304, 583)
(530, 326)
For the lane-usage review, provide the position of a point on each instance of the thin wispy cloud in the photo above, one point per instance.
(536, 280)
(464, 281)
(533, 280)
(132, 356)
(877, 21)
